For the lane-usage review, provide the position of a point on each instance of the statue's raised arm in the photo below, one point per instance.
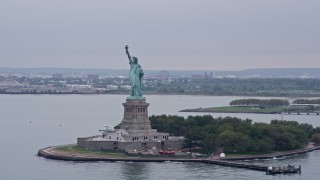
(127, 52)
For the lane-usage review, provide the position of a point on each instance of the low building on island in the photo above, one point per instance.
(135, 133)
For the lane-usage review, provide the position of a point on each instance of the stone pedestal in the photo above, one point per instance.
(134, 134)
(135, 115)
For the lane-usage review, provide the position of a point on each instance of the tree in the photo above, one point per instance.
(316, 138)
(234, 134)
(233, 141)
(262, 103)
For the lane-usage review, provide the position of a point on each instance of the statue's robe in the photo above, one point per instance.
(135, 75)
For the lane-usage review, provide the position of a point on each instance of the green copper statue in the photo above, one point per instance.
(136, 74)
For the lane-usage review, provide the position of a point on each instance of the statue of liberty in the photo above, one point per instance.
(135, 75)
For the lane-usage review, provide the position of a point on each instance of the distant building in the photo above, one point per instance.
(197, 76)
(93, 76)
(112, 87)
(125, 87)
(26, 83)
(12, 78)
(204, 76)
(163, 75)
(57, 76)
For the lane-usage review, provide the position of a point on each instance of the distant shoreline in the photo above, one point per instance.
(207, 110)
(230, 109)
(148, 93)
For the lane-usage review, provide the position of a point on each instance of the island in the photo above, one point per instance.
(206, 138)
(203, 139)
(265, 106)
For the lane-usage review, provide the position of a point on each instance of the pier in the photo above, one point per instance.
(301, 113)
(275, 155)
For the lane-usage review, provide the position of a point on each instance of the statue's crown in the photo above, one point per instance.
(135, 58)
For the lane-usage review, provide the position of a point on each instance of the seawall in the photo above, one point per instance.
(50, 153)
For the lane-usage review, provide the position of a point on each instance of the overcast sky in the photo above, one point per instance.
(163, 34)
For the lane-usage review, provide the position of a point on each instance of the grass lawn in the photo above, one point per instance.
(77, 149)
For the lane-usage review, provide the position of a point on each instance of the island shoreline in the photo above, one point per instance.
(51, 152)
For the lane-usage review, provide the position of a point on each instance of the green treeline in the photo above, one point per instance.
(306, 101)
(284, 87)
(236, 135)
(260, 102)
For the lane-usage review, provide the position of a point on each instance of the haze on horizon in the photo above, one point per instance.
(171, 35)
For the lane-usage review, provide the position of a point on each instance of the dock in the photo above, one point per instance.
(284, 169)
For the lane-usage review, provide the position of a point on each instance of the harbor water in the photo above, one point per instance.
(31, 122)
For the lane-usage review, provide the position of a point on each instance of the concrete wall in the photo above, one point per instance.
(89, 144)
(81, 142)
(139, 145)
(173, 144)
(101, 145)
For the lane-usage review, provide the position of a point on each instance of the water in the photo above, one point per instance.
(31, 122)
